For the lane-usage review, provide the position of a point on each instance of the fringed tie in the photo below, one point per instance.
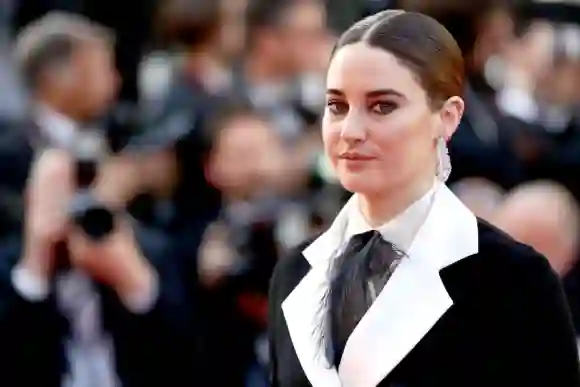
(358, 276)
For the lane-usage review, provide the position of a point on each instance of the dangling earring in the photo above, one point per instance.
(443, 160)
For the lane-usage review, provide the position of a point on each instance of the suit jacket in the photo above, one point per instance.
(468, 307)
(152, 349)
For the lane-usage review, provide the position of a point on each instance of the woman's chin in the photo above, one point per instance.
(356, 182)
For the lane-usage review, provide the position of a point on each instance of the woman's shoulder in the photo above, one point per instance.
(498, 248)
(504, 265)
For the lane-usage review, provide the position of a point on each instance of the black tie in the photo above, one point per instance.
(359, 275)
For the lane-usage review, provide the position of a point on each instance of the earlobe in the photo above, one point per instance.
(451, 115)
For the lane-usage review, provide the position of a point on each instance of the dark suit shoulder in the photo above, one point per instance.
(521, 293)
(516, 258)
(502, 268)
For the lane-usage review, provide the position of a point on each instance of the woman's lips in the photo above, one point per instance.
(353, 156)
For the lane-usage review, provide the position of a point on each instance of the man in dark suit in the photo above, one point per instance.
(74, 311)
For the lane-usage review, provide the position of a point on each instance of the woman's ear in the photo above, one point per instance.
(451, 114)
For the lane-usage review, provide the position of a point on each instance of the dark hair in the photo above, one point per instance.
(51, 41)
(419, 42)
(191, 23)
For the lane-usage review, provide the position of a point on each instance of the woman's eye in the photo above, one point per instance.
(337, 107)
(383, 108)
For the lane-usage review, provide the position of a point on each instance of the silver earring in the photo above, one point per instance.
(443, 160)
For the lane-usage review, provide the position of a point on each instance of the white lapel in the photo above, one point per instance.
(413, 300)
(302, 307)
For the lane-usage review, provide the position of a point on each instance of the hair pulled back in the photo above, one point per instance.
(420, 43)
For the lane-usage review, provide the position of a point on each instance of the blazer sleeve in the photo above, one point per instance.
(543, 349)
(161, 340)
(30, 331)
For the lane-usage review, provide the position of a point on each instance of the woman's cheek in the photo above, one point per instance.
(330, 140)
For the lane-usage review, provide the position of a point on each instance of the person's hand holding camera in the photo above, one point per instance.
(116, 260)
(48, 195)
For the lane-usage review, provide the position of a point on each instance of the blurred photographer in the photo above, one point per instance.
(236, 259)
(75, 311)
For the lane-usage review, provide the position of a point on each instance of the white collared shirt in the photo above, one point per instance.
(400, 231)
(64, 133)
(58, 128)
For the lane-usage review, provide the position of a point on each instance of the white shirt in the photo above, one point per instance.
(89, 348)
(400, 231)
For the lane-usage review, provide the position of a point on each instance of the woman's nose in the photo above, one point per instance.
(353, 127)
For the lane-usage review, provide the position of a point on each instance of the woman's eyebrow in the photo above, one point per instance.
(370, 94)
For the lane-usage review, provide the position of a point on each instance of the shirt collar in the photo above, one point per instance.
(401, 230)
(56, 127)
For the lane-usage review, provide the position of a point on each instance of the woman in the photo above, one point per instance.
(462, 303)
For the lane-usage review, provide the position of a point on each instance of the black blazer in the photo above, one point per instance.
(488, 311)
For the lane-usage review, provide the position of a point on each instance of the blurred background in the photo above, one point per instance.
(236, 90)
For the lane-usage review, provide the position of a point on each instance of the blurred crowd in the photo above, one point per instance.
(217, 152)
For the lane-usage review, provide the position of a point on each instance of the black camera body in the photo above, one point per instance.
(93, 217)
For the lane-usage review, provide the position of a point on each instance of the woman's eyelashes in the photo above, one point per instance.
(336, 107)
(383, 107)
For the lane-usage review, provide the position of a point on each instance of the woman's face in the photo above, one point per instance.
(378, 128)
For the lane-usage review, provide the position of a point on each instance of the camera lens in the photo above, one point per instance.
(94, 218)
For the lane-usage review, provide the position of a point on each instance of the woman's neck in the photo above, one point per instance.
(381, 208)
